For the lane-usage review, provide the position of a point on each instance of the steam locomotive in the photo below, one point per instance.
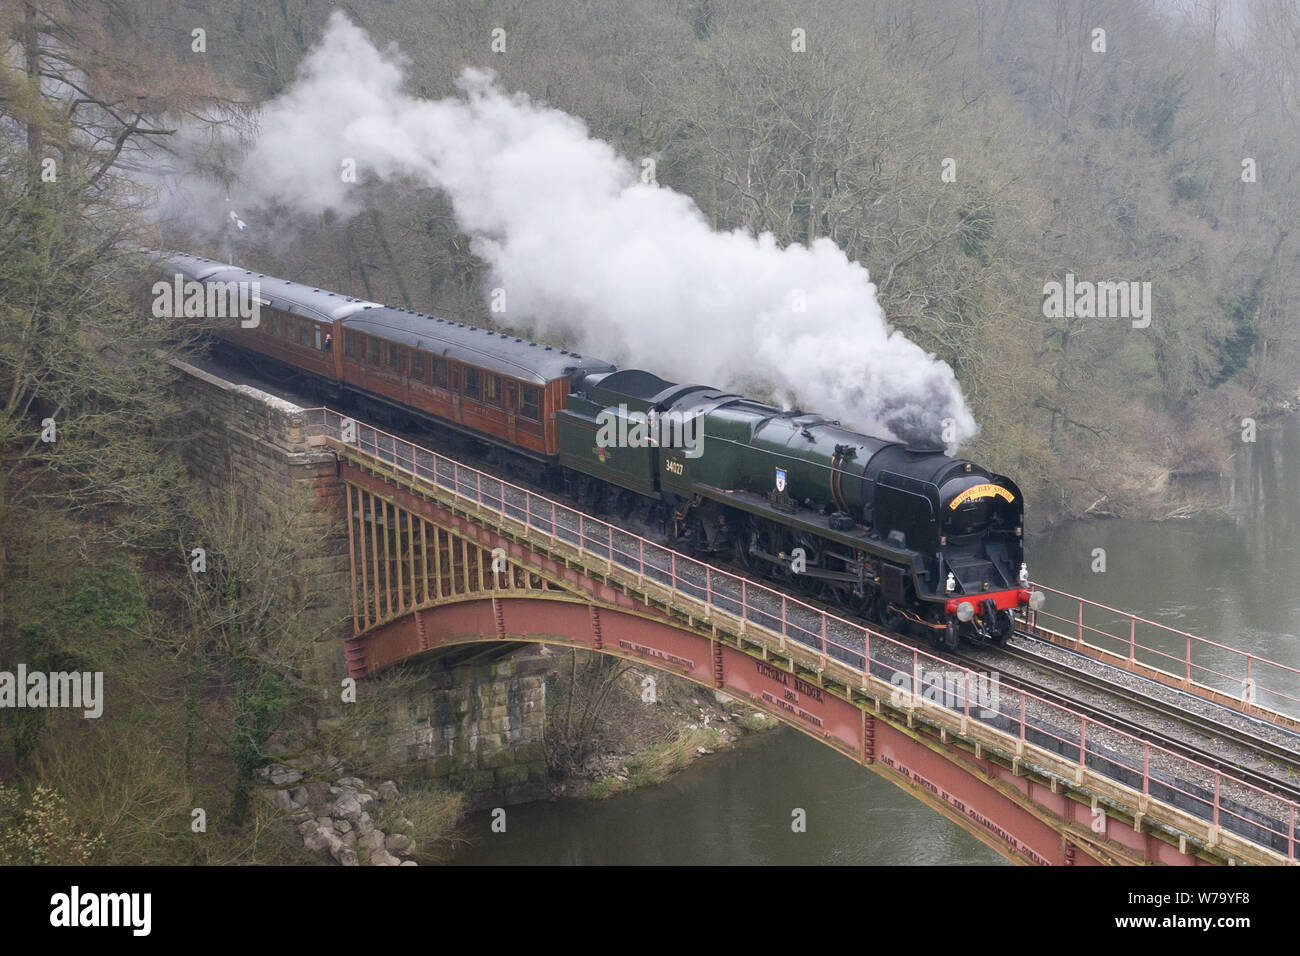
(901, 534)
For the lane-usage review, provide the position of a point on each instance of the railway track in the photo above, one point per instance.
(1285, 759)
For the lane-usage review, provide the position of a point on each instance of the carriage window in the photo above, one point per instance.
(352, 346)
(416, 360)
(471, 382)
(390, 356)
(304, 332)
(455, 378)
(492, 389)
(320, 339)
(374, 352)
(530, 399)
(511, 390)
(439, 372)
(270, 323)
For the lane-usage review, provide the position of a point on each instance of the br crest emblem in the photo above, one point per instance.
(780, 480)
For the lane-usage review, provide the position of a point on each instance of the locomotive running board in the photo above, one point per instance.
(818, 524)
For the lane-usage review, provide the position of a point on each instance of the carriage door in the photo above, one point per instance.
(508, 402)
(453, 383)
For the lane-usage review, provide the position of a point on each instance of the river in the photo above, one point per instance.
(1231, 579)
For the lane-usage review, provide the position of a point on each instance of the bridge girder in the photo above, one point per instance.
(428, 576)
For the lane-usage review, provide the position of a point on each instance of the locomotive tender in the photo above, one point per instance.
(904, 535)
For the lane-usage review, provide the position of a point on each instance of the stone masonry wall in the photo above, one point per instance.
(258, 442)
(476, 728)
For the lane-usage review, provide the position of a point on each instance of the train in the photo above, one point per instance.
(903, 535)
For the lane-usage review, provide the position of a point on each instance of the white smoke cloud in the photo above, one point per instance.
(631, 272)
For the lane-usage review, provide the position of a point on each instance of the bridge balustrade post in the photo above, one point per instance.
(708, 590)
(1290, 837)
(478, 487)
(1083, 740)
(1189, 658)
(1080, 620)
(672, 569)
(640, 556)
(823, 640)
(785, 616)
(1146, 770)
(1022, 716)
(1218, 779)
(1132, 637)
(582, 536)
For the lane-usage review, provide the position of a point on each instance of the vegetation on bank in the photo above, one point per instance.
(612, 727)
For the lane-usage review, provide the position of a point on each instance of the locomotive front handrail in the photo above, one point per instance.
(1196, 788)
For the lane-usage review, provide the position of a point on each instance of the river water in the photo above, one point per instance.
(1231, 579)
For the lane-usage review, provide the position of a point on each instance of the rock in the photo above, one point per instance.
(326, 822)
(352, 782)
(342, 826)
(412, 862)
(350, 839)
(374, 840)
(318, 793)
(348, 857)
(364, 799)
(347, 806)
(399, 843)
(282, 776)
(382, 857)
(309, 827)
(364, 824)
(280, 800)
(316, 841)
(299, 796)
(387, 790)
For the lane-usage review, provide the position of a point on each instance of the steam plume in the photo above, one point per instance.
(630, 271)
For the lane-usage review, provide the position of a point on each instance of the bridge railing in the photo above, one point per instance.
(920, 680)
(1185, 658)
